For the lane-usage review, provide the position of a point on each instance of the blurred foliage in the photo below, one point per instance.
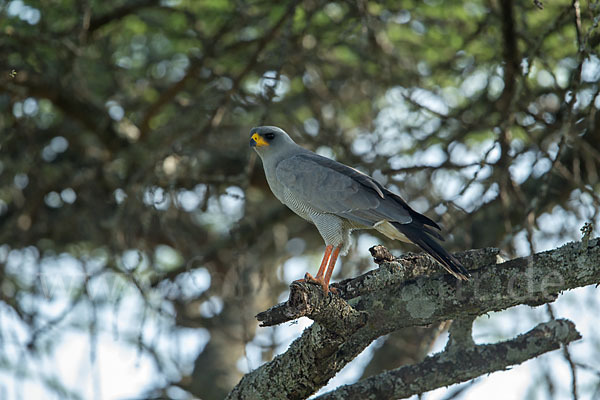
(124, 160)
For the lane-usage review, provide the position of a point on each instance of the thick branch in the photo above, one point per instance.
(304, 300)
(320, 353)
(461, 334)
(447, 368)
(308, 300)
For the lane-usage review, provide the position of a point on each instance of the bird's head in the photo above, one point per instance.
(269, 139)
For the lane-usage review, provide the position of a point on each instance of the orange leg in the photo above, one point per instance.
(324, 280)
(332, 261)
(321, 272)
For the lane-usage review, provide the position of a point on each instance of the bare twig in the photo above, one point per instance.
(567, 356)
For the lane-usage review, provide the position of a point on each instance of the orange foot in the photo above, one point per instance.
(324, 285)
(325, 270)
(310, 279)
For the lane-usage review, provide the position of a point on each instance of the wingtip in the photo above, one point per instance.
(457, 271)
(463, 276)
(450, 263)
(456, 268)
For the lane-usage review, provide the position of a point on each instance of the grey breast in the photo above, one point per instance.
(299, 206)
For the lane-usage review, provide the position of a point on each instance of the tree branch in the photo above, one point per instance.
(461, 334)
(307, 299)
(319, 353)
(119, 13)
(447, 367)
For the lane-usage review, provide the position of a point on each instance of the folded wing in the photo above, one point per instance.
(330, 187)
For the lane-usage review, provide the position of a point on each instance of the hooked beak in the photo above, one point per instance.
(257, 141)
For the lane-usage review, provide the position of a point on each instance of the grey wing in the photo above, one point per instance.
(330, 187)
(335, 188)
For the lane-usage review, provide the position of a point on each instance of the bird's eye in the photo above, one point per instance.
(269, 136)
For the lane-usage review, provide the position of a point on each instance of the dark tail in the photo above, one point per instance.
(420, 237)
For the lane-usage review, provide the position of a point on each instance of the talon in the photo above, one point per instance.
(309, 278)
(298, 281)
(321, 282)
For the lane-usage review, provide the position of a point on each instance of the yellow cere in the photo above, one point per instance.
(259, 140)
